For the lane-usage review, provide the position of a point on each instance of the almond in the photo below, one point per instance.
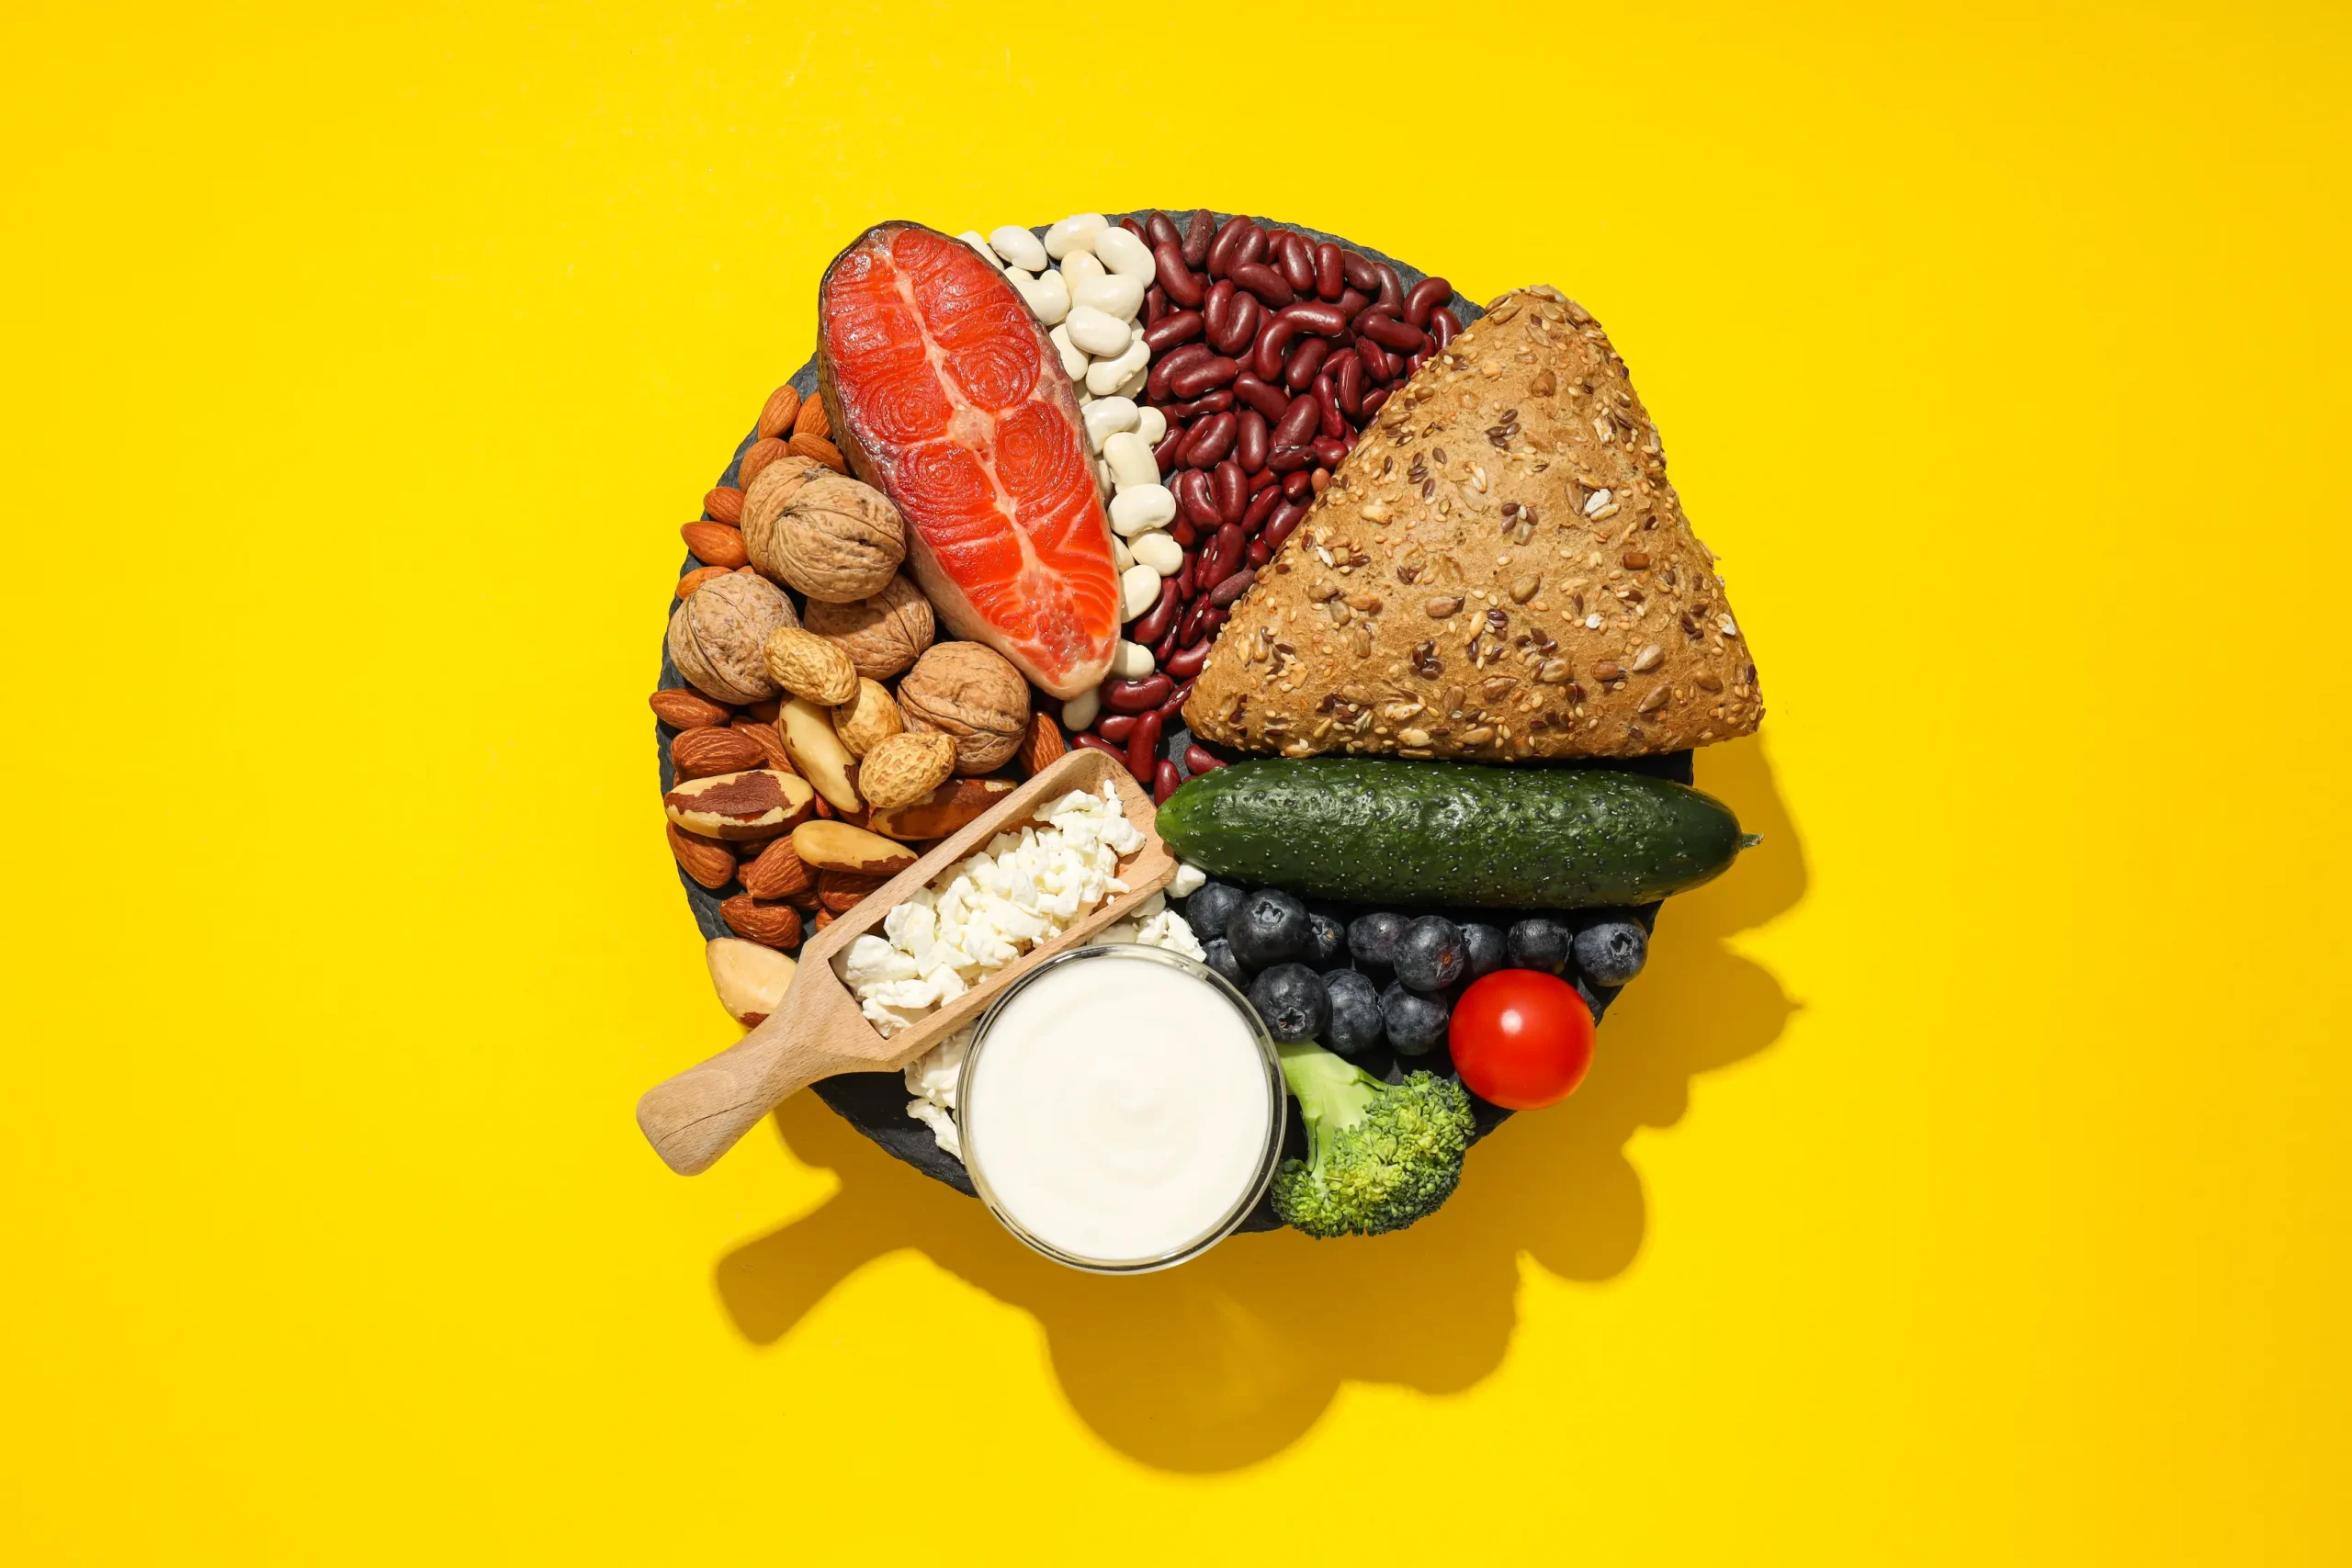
(904, 768)
(778, 873)
(825, 917)
(682, 709)
(700, 753)
(771, 744)
(809, 666)
(1040, 744)
(715, 543)
(764, 711)
(757, 457)
(707, 860)
(724, 504)
(823, 450)
(696, 578)
(837, 846)
(750, 980)
(754, 919)
(811, 420)
(783, 407)
(840, 891)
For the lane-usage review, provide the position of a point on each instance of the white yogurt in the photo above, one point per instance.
(1119, 1109)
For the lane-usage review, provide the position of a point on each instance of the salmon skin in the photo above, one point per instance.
(945, 394)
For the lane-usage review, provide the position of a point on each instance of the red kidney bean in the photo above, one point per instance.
(1359, 271)
(1249, 442)
(1161, 231)
(1424, 297)
(1165, 781)
(1155, 305)
(1193, 496)
(1181, 532)
(1177, 326)
(1266, 359)
(1170, 444)
(1444, 328)
(1392, 287)
(1197, 762)
(1287, 518)
(1377, 363)
(1330, 450)
(1132, 227)
(1212, 403)
(1250, 247)
(1195, 618)
(1134, 696)
(1166, 365)
(1373, 401)
(1201, 375)
(1315, 316)
(1217, 303)
(1184, 578)
(1285, 460)
(1096, 743)
(1265, 283)
(1229, 546)
(1198, 232)
(1390, 333)
(1299, 371)
(1154, 623)
(1116, 725)
(1330, 270)
(1211, 440)
(1232, 491)
(1259, 553)
(1164, 646)
(1227, 240)
(1232, 587)
(1185, 662)
(1262, 506)
(1350, 380)
(1143, 746)
(1298, 421)
(1297, 263)
(1261, 478)
(1240, 326)
(1413, 366)
(1178, 279)
(1270, 402)
(1298, 484)
(1355, 303)
(1167, 710)
(1327, 398)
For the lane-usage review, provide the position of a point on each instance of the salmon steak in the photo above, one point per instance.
(944, 393)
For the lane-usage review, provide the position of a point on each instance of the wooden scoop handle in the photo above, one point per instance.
(696, 1117)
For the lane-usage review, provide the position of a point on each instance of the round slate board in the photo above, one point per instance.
(875, 1103)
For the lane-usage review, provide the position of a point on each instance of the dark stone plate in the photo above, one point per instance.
(875, 1103)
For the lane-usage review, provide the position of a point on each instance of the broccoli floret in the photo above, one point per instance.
(1380, 1156)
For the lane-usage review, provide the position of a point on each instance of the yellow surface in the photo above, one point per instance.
(1965, 1183)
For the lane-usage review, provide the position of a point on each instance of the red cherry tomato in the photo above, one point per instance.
(1521, 1039)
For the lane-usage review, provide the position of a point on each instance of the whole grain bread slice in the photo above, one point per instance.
(1499, 571)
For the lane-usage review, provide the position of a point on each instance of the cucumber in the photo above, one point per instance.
(1390, 833)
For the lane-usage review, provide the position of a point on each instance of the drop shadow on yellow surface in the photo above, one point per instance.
(1228, 1360)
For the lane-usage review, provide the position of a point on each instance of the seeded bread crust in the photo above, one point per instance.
(1500, 570)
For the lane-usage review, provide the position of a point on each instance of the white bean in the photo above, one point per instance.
(1138, 592)
(1132, 660)
(1130, 457)
(1123, 557)
(1121, 253)
(1081, 709)
(1103, 337)
(1112, 294)
(1158, 551)
(1021, 248)
(1049, 297)
(1073, 357)
(1079, 266)
(1151, 424)
(1105, 417)
(1141, 508)
(1074, 233)
(979, 242)
(1123, 377)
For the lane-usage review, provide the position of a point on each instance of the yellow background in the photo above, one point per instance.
(1965, 1183)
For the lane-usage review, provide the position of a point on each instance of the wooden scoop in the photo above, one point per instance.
(817, 1031)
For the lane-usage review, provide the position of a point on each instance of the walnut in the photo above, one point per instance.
(883, 633)
(867, 719)
(719, 637)
(822, 532)
(904, 769)
(973, 693)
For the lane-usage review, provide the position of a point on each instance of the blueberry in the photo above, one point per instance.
(1269, 927)
(1290, 997)
(1485, 945)
(1372, 938)
(1211, 905)
(1330, 941)
(1218, 954)
(1356, 1025)
(1612, 949)
(1538, 943)
(1431, 953)
(1416, 1022)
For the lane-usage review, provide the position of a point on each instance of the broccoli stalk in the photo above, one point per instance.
(1380, 1156)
